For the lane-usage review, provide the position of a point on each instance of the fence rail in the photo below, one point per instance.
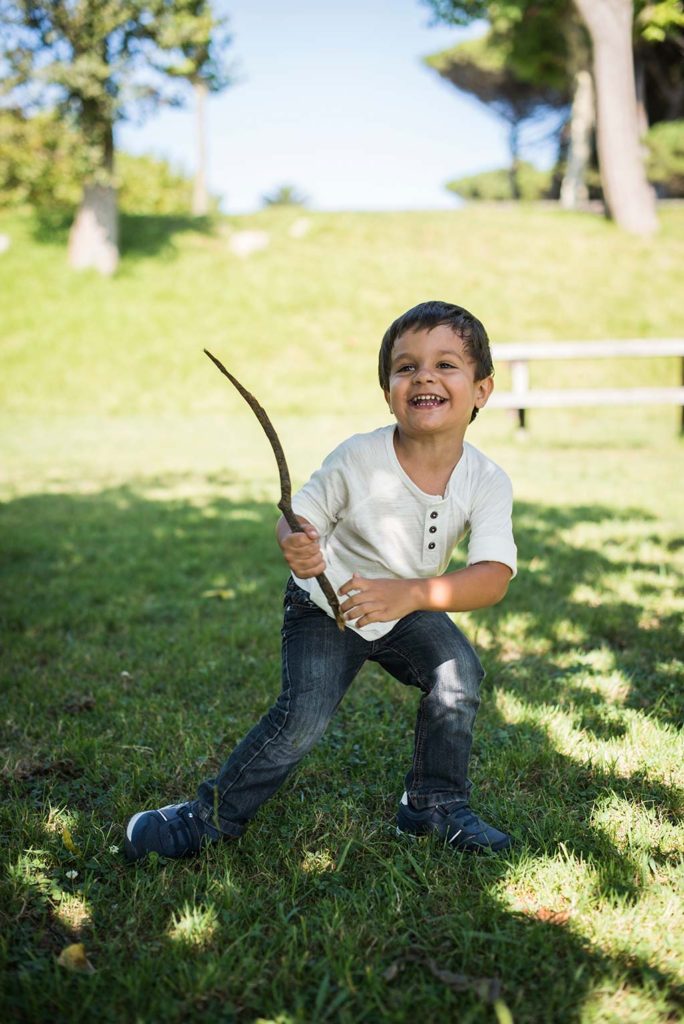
(521, 397)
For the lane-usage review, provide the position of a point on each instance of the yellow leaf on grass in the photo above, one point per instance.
(503, 1014)
(68, 841)
(74, 958)
(222, 593)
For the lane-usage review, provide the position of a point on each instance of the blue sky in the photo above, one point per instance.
(333, 99)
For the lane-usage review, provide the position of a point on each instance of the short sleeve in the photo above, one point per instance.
(491, 522)
(324, 498)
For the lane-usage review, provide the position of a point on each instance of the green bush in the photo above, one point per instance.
(151, 186)
(285, 195)
(44, 161)
(496, 185)
(665, 143)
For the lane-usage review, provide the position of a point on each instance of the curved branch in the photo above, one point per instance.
(285, 503)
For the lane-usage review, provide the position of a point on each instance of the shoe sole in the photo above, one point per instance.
(414, 835)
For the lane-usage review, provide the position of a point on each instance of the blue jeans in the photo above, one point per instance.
(319, 663)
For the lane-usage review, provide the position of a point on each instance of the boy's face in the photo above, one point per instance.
(432, 386)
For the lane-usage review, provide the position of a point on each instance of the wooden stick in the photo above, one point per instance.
(285, 503)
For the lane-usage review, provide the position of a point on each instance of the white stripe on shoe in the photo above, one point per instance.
(131, 825)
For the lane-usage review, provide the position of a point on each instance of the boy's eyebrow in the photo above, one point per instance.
(444, 352)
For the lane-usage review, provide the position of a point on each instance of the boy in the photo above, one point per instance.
(381, 517)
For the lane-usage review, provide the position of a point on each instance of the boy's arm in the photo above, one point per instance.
(383, 600)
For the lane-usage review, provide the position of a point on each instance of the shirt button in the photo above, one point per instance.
(431, 545)
(433, 529)
(433, 515)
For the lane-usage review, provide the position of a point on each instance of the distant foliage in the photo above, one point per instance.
(496, 185)
(102, 62)
(285, 195)
(151, 186)
(43, 160)
(665, 143)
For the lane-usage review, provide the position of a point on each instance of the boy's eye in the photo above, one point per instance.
(447, 366)
(405, 367)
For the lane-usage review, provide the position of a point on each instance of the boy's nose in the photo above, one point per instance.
(422, 374)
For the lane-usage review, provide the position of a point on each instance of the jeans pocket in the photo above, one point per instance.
(297, 599)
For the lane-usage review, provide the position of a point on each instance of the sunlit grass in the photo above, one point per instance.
(194, 925)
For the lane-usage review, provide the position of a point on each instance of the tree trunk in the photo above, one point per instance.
(640, 86)
(629, 198)
(200, 197)
(94, 235)
(514, 172)
(574, 187)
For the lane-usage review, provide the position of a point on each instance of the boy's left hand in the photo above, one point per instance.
(376, 600)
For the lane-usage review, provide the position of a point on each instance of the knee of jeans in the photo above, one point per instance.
(458, 681)
(300, 732)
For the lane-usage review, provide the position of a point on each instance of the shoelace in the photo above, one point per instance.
(463, 815)
(185, 835)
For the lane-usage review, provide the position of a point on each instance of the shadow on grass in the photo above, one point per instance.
(140, 235)
(154, 235)
(140, 641)
(569, 596)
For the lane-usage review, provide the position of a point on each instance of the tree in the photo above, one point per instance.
(42, 163)
(203, 40)
(610, 25)
(542, 48)
(483, 68)
(629, 198)
(495, 186)
(98, 62)
(285, 195)
(573, 190)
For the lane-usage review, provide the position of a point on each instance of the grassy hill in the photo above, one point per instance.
(77, 343)
(140, 610)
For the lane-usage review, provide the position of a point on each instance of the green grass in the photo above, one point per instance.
(140, 606)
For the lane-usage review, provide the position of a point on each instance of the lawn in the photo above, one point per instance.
(140, 610)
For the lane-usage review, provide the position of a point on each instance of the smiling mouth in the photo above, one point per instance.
(427, 401)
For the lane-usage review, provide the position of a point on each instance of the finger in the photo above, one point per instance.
(311, 565)
(356, 604)
(301, 540)
(352, 584)
(306, 558)
(355, 600)
(362, 609)
(308, 574)
(371, 616)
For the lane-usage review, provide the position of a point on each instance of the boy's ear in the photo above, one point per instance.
(483, 389)
(387, 399)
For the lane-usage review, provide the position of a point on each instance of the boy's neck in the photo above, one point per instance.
(428, 461)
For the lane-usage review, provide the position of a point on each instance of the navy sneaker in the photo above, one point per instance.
(173, 831)
(455, 823)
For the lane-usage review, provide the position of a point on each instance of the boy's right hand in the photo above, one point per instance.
(302, 551)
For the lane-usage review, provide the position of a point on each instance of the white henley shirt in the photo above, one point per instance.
(374, 520)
